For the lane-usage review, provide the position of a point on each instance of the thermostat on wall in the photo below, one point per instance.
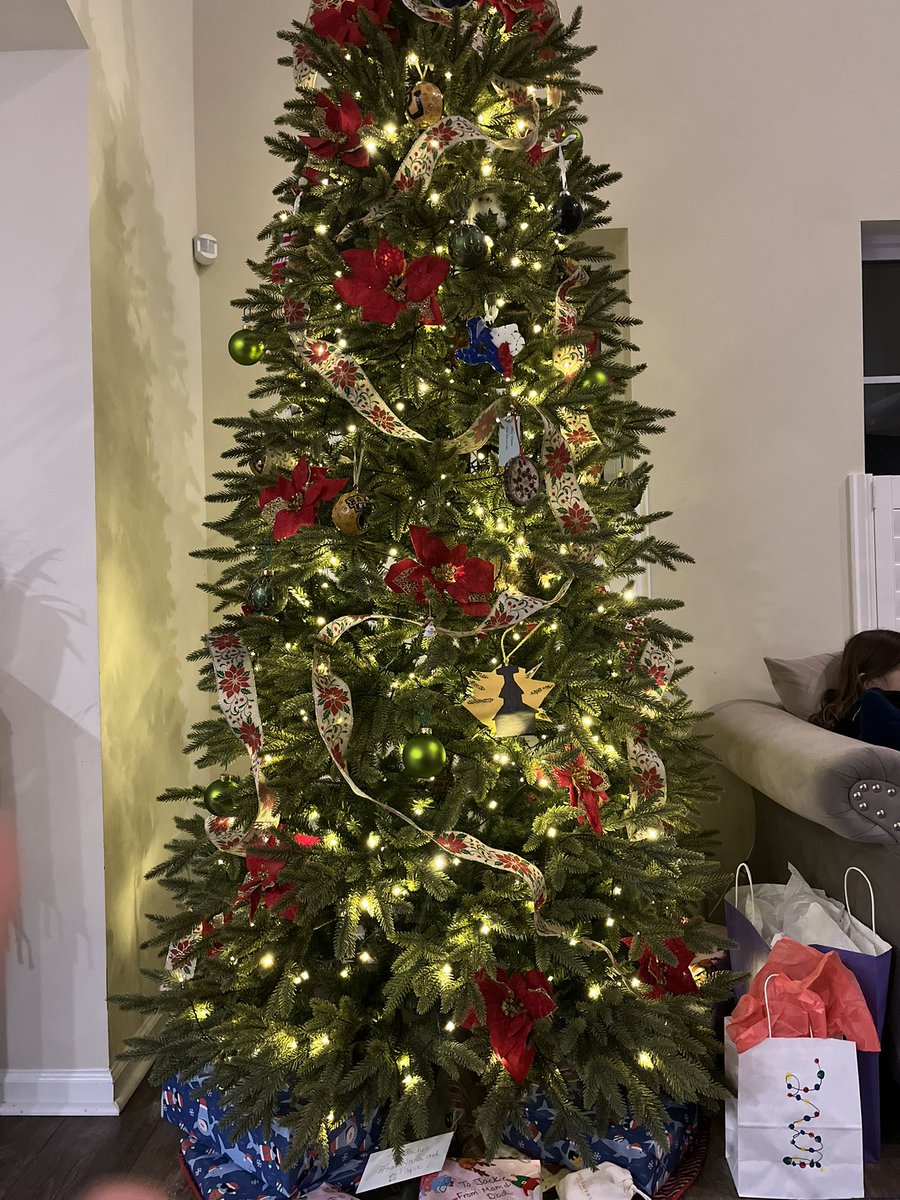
(206, 249)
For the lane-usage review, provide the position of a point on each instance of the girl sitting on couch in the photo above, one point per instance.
(866, 702)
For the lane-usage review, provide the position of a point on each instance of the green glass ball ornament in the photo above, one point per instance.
(468, 247)
(568, 214)
(593, 378)
(265, 595)
(577, 143)
(221, 797)
(424, 756)
(246, 348)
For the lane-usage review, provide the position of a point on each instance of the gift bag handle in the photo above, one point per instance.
(737, 874)
(859, 871)
(766, 1002)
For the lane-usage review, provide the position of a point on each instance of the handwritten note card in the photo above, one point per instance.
(503, 1179)
(419, 1158)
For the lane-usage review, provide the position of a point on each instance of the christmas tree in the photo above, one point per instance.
(465, 858)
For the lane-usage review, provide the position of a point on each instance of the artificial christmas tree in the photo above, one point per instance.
(466, 851)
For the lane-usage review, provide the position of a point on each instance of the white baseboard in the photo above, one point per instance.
(57, 1094)
(128, 1073)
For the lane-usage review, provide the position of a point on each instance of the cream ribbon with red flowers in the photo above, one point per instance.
(236, 693)
(648, 770)
(348, 379)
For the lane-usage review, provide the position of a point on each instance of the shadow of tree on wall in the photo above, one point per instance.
(149, 493)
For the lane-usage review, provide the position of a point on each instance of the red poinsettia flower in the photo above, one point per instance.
(251, 736)
(468, 581)
(300, 494)
(663, 978)
(576, 519)
(558, 462)
(455, 845)
(343, 122)
(384, 285)
(341, 22)
(587, 791)
(511, 10)
(512, 1004)
(649, 783)
(233, 682)
(224, 640)
(261, 882)
(333, 700)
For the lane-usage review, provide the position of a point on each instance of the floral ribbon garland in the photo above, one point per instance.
(334, 719)
(236, 692)
(648, 770)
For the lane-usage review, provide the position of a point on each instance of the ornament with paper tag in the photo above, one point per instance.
(507, 699)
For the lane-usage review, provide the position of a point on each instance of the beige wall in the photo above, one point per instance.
(149, 439)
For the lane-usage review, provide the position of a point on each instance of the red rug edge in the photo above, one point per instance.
(689, 1168)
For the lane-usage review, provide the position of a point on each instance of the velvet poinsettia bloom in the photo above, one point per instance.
(663, 978)
(341, 21)
(339, 125)
(512, 1004)
(512, 10)
(468, 581)
(587, 791)
(384, 285)
(297, 497)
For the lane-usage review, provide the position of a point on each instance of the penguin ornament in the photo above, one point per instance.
(507, 699)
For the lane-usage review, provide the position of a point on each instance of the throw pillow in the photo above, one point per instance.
(800, 682)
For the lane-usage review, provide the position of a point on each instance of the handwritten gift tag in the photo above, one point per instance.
(510, 443)
(503, 1179)
(419, 1158)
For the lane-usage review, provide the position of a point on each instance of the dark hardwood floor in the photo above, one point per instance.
(54, 1158)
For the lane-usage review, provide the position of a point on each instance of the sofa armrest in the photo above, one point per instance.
(848, 786)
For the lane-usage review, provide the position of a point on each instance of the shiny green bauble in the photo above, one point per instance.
(594, 377)
(468, 247)
(221, 797)
(424, 756)
(246, 348)
(577, 143)
(266, 595)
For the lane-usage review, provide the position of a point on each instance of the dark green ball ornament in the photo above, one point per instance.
(221, 797)
(246, 348)
(593, 378)
(568, 213)
(424, 756)
(468, 247)
(265, 595)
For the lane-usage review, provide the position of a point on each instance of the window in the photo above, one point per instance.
(881, 345)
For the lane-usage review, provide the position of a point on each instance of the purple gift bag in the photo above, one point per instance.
(872, 971)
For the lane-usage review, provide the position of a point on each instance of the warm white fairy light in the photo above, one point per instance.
(552, 831)
(267, 961)
(439, 862)
(345, 974)
(446, 969)
(492, 804)
(594, 991)
(321, 229)
(373, 841)
(365, 904)
(515, 261)
(610, 921)
(485, 928)
(450, 1026)
(645, 1060)
(365, 957)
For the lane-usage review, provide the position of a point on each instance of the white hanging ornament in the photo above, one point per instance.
(487, 205)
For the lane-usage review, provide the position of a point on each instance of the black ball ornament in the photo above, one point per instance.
(246, 348)
(424, 756)
(568, 214)
(468, 246)
(265, 595)
(221, 797)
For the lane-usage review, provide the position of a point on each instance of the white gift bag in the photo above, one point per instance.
(795, 1130)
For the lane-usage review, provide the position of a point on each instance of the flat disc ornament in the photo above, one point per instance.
(424, 756)
(426, 104)
(507, 699)
(351, 513)
(521, 481)
(221, 797)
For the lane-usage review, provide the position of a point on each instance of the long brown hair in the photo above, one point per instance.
(867, 655)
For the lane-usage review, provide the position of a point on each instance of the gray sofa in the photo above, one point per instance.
(823, 802)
